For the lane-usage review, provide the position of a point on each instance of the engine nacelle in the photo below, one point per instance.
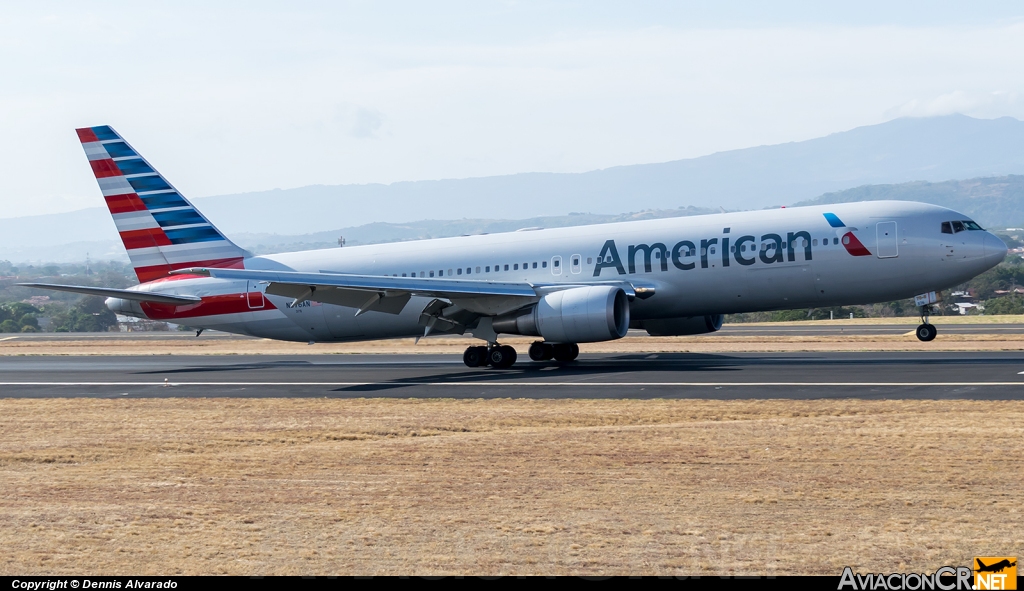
(677, 327)
(576, 315)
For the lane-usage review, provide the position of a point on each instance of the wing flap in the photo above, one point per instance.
(421, 286)
(361, 299)
(124, 294)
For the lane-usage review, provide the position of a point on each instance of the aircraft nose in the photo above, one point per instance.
(995, 249)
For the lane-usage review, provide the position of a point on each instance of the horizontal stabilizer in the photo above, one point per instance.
(124, 294)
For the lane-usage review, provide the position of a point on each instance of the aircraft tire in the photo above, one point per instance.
(926, 332)
(475, 356)
(541, 351)
(502, 357)
(566, 352)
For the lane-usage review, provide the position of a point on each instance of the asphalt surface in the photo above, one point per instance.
(972, 375)
(803, 329)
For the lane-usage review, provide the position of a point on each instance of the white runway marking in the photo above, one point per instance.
(526, 384)
(8, 338)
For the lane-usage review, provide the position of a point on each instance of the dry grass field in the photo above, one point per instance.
(432, 487)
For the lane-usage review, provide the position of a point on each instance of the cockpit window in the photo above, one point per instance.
(971, 225)
(947, 228)
(958, 226)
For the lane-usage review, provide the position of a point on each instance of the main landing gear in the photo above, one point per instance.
(498, 356)
(563, 352)
(504, 356)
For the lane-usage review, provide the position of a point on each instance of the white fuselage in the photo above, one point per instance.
(786, 258)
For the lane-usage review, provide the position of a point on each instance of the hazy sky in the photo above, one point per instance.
(250, 95)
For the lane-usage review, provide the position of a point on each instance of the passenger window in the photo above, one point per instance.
(814, 242)
(460, 271)
(478, 269)
(543, 264)
(422, 274)
(515, 267)
(590, 261)
(703, 252)
(835, 240)
(958, 227)
(575, 261)
(535, 265)
(487, 269)
(712, 250)
(431, 273)
(403, 274)
(557, 261)
(506, 267)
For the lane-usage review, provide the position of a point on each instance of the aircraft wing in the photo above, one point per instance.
(374, 292)
(124, 294)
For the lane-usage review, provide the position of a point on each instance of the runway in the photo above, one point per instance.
(890, 375)
(810, 328)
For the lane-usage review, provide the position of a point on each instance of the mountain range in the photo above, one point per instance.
(913, 158)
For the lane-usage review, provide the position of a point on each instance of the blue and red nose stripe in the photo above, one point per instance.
(833, 220)
(849, 241)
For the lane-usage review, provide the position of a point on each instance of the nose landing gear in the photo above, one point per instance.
(926, 331)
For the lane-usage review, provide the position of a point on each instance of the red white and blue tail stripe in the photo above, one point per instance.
(161, 230)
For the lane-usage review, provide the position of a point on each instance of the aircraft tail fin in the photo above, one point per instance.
(161, 230)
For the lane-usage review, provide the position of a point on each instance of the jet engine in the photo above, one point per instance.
(677, 327)
(576, 315)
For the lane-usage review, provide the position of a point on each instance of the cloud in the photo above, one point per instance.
(367, 122)
(978, 104)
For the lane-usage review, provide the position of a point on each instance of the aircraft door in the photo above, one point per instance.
(556, 265)
(254, 296)
(888, 245)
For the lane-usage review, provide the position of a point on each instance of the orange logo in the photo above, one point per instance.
(995, 572)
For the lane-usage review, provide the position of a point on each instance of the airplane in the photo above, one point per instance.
(994, 568)
(670, 277)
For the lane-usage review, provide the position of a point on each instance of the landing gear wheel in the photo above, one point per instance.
(926, 332)
(502, 357)
(566, 351)
(541, 351)
(475, 356)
